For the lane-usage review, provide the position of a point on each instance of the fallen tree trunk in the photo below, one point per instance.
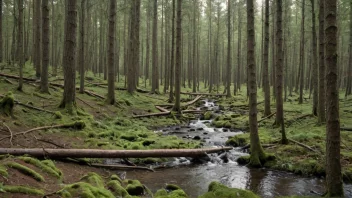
(303, 145)
(192, 102)
(202, 94)
(96, 153)
(346, 128)
(193, 111)
(267, 117)
(17, 77)
(152, 114)
(162, 109)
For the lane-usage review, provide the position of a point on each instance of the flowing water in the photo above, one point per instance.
(194, 176)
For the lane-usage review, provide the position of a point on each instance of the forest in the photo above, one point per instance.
(175, 98)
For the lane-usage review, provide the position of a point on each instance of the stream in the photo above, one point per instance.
(194, 176)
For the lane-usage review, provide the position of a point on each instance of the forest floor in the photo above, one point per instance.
(112, 127)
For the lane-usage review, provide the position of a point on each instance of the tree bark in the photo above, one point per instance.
(111, 53)
(349, 67)
(314, 62)
(228, 79)
(266, 85)
(301, 60)
(172, 65)
(37, 42)
(257, 153)
(177, 106)
(20, 43)
(155, 78)
(81, 47)
(333, 165)
(1, 48)
(44, 83)
(321, 95)
(69, 56)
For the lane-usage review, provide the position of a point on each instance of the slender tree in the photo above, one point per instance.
(37, 41)
(172, 64)
(111, 53)
(20, 43)
(333, 165)
(155, 78)
(266, 84)
(81, 46)
(228, 79)
(44, 83)
(69, 56)
(177, 106)
(321, 94)
(257, 153)
(1, 49)
(349, 77)
(301, 59)
(314, 62)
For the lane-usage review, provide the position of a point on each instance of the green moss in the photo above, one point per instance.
(25, 170)
(217, 190)
(129, 137)
(236, 141)
(162, 193)
(123, 122)
(58, 115)
(134, 187)
(116, 178)
(84, 190)
(115, 187)
(172, 187)
(3, 171)
(208, 115)
(243, 160)
(54, 172)
(93, 179)
(7, 104)
(21, 189)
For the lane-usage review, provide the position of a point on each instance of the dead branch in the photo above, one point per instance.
(48, 142)
(90, 93)
(303, 145)
(97, 153)
(193, 111)
(267, 117)
(202, 94)
(122, 167)
(85, 102)
(11, 135)
(152, 115)
(346, 128)
(162, 109)
(192, 102)
(8, 81)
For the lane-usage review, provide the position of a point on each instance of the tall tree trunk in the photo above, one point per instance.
(172, 65)
(349, 67)
(257, 153)
(301, 60)
(155, 78)
(314, 62)
(146, 73)
(37, 42)
(333, 165)
(194, 76)
(266, 84)
(44, 83)
(239, 53)
(228, 85)
(177, 106)
(279, 72)
(321, 95)
(81, 47)
(69, 56)
(20, 43)
(1, 48)
(111, 53)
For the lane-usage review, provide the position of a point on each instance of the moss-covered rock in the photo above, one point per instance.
(208, 115)
(162, 193)
(236, 141)
(217, 190)
(134, 187)
(116, 178)
(3, 171)
(7, 104)
(115, 187)
(25, 170)
(172, 187)
(84, 190)
(52, 170)
(243, 160)
(93, 179)
(21, 190)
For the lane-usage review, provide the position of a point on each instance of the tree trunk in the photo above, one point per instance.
(177, 106)
(81, 47)
(146, 73)
(69, 56)
(239, 50)
(314, 62)
(155, 78)
(44, 83)
(1, 49)
(172, 65)
(321, 95)
(37, 42)
(228, 84)
(301, 59)
(111, 53)
(333, 165)
(194, 76)
(257, 153)
(20, 43)
(349, 67)
(266, 84)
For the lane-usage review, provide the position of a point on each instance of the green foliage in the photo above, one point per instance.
(134, 187)
(43, 166)
(84, 190)
(7, 104)
(3, 171)
(93, 179)
(25, 170)
(115, 187)
(217, 190)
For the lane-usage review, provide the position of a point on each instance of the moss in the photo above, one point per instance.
(236, 141)
(208, 115)
(217, 190)
(123, 122)
(25, 170)
(116, 178)
(115, 187)
(7, 104)
(243, 160)
(52, 166)
(93, 179)
(84, 190)
(42, 166)
(162, 193)
(21, 189)
(172, 187)
(3, 171)
(129, 137)
(58, 115)
(134, 187)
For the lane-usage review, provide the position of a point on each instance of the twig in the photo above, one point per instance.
(302, 145)
(121, 167)
(267, 117)
(85, 103)
(47, 141)
(11, 135)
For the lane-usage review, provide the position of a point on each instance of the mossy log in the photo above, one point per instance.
(153, 114)
(97, 153)
(203, 94)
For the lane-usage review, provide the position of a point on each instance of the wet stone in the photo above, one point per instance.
(196, 137)
(192, 130)
(200, 129)
(205, 133)
(177, 128)
(225, 130)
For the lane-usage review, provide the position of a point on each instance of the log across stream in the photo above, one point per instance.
(194, 177)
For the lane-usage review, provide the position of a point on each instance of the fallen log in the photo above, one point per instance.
(303, 145)
(152, 115)
(17, 77)
(202, 94)
(121, 167)
(162, 109)
(193, 111)
(192, 102)
(346, 128)
(97, 153)
(267, 117)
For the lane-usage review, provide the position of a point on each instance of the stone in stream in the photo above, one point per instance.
(225, 130)
(205, 133)
(196, 137)
(191, 130)
(200, 129)
(177, 128)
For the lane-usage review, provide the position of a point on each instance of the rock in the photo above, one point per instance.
(221, 191)
(192, 130)
(225, 130)
(134, 187)
(200, 129)
(205, 133)
(196, 137)
(177, 128)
